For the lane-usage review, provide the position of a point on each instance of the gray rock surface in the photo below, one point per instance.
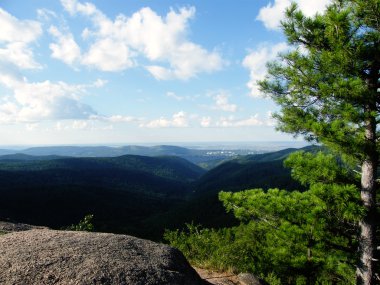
(42, 256)
(250, 279)
(7, 227)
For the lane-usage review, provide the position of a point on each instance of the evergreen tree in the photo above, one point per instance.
(326, 86)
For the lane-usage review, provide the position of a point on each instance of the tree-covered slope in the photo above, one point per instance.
(120, 192)
(250, 171)
(245, 172)
(167, 167)
(133, 194)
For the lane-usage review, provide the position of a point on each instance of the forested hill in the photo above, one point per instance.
(119, 191)
(250, 171)
(237, 174)
(169, 167)
(132, 194)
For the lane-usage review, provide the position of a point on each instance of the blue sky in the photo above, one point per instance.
(103, 72)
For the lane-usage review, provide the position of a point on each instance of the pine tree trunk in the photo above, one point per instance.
(366, 269)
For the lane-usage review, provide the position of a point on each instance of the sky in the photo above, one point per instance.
(119, 72)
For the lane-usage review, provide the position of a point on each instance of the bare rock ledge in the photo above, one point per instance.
(43, 256)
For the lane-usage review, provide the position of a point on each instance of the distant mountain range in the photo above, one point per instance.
(102, 151)
(134, 194)
(207, 157)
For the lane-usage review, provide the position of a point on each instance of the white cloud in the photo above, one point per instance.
(174, 96)
(310, 8)
(81, 125)
(15, 30)
(156, 37)
(108, 55)
(100, 83)
(159, 72)
(15, 37)
(19, 54)
(120, 119)
(33, 102)
(186, 60)
(205, 122)
(232, 122)
(46, 14)
(116, 45)
(73, 7)
(270, 120)
(272, 14)
(252, 121)
(256, 62)
(178, 120)
(31, 127)
(66, 49)
(222, 103)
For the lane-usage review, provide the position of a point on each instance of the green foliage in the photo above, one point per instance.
(326, 84)
(310, 233)
(309, 168)
(294, 237)
(86, 224)
(211, 248)
(326, 87)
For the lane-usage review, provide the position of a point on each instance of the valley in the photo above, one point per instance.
(141, 194)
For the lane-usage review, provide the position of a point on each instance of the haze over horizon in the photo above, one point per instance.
(74, 72)
(212, 145)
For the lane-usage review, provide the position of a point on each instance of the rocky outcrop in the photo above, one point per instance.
(250, 279)
(7, 227)
(42, 256)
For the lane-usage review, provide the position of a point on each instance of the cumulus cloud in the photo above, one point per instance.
(178, 120)
(81, 125)
(272, 14)
(73, 7)
(108, 55)
(66, 49)
(205, 122)
(186, 60)
(37, 101)
(15, 30)
(162, 40)
(18, 54)
(222, 102)
(256, 62)
(15, 39)
(232, 122)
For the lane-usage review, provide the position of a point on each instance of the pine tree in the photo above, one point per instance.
(326, 86)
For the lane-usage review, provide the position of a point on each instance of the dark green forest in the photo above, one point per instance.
(131, 194)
